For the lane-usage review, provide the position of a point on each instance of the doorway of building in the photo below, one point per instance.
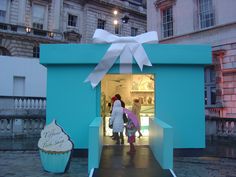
(130, 87)
(18, 86)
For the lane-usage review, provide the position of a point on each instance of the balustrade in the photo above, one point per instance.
(216, 126)
(18, 29)
(15, 121)
(20, 102)
(25, 126)
(29, 103)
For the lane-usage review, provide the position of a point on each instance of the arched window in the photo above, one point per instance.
(36, 51)
(4, 51)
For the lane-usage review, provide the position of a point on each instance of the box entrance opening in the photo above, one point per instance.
(130, 87)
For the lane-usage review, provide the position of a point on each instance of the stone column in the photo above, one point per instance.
(57, 14)
(21, 12)
(151, 16)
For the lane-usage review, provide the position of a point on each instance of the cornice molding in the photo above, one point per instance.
(21, 37)
(164, 3)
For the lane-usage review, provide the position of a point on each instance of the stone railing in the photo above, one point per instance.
(20, 102)
(217, 126)
(21, 126)
(22, 116)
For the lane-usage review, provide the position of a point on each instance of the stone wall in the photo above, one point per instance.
(18, 47)
(56, 20)
(221, 36)
(92, 13)
(229, 82)
(14, 12)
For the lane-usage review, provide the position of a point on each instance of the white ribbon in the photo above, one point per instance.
(126, 48)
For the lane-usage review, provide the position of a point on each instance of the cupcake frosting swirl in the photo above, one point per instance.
(54, 139)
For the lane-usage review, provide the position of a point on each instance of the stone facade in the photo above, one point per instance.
(185, 20)
(25, 24)
(53, 26)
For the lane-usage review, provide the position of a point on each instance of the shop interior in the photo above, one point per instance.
(130, 87)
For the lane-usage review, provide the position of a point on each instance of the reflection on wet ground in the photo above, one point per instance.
(221, 147)
(19, 144)
(216, 160)
(224, 147)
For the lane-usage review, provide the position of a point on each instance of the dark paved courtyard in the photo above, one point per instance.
(27, 164)
(217, 160)
(204, 167)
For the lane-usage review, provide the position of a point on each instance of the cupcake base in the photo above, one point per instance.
(55, 162)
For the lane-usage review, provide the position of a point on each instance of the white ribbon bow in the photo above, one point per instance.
(126, 48)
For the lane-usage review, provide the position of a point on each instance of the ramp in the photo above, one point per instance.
(115, 162)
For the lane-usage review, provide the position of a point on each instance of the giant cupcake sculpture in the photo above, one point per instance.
(55, 148)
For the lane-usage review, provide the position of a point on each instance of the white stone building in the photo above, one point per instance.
(24, 24)
(203, 22)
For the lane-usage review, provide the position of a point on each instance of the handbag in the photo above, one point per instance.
(110, 126)
(125, 119)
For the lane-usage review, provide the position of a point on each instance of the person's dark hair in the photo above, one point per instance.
(136, 100)
(118, 96)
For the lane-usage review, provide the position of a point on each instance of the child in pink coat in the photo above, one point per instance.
(130, 132)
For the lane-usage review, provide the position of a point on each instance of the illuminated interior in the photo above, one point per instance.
(130, 87)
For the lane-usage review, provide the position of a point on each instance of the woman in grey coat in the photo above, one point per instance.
(117, 122)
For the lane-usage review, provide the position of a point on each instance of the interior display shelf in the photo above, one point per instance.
(134, 91)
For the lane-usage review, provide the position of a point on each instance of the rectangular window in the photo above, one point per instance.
(38, 26)
(210, 86)
(38, 16)
(206, 13)
(36, 51)
(137, 1)
(101, 24)
(134, 31)
(72, 20)
(213, 95)
(117, 29)
(212, 75)
(167, 22)
(205, 94)
(3, 10)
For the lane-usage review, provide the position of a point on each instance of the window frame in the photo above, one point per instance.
(5, 19)
(43, 25)
(3, 15)
(69, 22)
(36, 51)
(135, 30)
(205, 22)
(118, 29)
(166, 22)
(101, 23)
(210, 84)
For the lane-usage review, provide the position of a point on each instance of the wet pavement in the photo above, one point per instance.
(222, 147)
(27, 164)
(204, 167)
(13, 144)
(217, 160)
